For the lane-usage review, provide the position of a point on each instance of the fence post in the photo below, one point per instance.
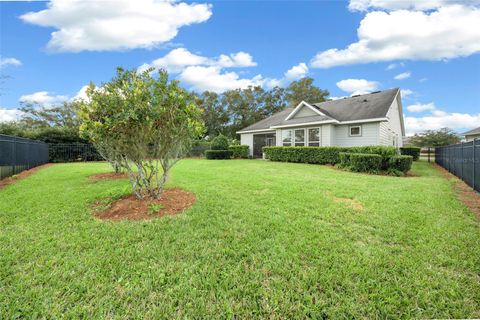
(474, 164)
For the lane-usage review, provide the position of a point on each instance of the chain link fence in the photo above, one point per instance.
(19, 154)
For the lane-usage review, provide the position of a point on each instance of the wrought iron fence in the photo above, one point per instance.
(72, 152)
(463, 160)
(19, 154)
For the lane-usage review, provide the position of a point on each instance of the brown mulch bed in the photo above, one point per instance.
(464, 192)
(171, 202)
(22, 175)
(108, 176)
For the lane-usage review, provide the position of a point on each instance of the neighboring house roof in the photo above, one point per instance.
(472, 132)
(357, 108)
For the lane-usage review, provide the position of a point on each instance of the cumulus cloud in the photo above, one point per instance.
(392, 66)
(115, 25)
(9, 62)
(437, 119)
(410, 35)
(421, 107)
(423, 5)
(406, 93)
(403, 75)
(357, 86)
(7, 115)
(209, 73)
(43, 98)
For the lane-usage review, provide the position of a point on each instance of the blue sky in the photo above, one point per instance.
(51, 50)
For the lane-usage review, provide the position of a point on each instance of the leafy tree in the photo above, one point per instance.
(141, 123)
(35, 116)
(304, 90)
(435, 138)
(220, 143)
(215, 116)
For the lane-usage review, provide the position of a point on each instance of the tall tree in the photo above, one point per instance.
(214, 115)
(35, 116)
(304, 90)
(435, 138)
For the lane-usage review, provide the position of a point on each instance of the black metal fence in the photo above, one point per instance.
(18, 154)
(72, 152)
(463, 160)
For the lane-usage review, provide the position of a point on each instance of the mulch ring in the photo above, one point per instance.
(107, 176)
(464, 192)
(22, 175)
(171, 202)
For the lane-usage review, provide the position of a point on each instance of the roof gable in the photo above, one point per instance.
(303, 109)
(472, 132)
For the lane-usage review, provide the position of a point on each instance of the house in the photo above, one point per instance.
(472, 134)
(361, 120)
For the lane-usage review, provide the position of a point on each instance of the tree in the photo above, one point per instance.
(142, 123)
(215, 116)
(435, 138)
(304, 90)
(65, 115)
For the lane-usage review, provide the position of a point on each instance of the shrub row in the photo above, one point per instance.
(410, 151)
(218, 154)
(361, 159)
(239, 151)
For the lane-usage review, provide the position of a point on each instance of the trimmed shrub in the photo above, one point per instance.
(218, 154)
(316, 155)
(219, 143)
(364, 162)
(345, 159)
(410, 151)
(400, 163)
(239, 151)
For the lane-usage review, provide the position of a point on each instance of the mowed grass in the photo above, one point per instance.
(264, 240)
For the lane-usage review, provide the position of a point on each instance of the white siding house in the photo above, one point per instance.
(363, 120)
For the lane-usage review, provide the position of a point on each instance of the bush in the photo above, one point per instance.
(363, 162)
(220, 143)
(198, 149)
(316, 155)
(345, 160)
(411, 151)
(239, 151)
(400, 163)
(218, 154)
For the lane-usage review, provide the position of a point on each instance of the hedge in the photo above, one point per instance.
(410, 151)
(400, 163)
(324, 155)
(219, 143)
(363, 162)
(239, 151)
(218, 154)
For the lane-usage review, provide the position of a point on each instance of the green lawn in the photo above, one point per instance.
(269, 240)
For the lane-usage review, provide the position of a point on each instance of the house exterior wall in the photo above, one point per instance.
(472, 137)
(247, 139)
(391, 130)
(369, 136)
(304, 112)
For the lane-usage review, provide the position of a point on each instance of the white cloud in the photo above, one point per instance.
(419, 107)
(403, 75)
(422, 5)
(406, 92)
(410, 35)
(9, 62)
(7, 115)
(437, 119)
(43, 98)
(357, 86)
(297, 72)
(206, 73)
(115, 25)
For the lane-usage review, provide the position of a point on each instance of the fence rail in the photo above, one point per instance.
(72, 152)
(19, 154)
(463, 160)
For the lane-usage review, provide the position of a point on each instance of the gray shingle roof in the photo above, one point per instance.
(367, 106)
(472, 132)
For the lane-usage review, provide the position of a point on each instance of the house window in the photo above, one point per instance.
(287, 137)
(314, 137)
(299, 137)
(355, 131)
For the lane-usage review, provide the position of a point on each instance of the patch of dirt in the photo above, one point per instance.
(171, 202)
(107, 176)
(22, 175)
(354, 204)
(464, 192)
